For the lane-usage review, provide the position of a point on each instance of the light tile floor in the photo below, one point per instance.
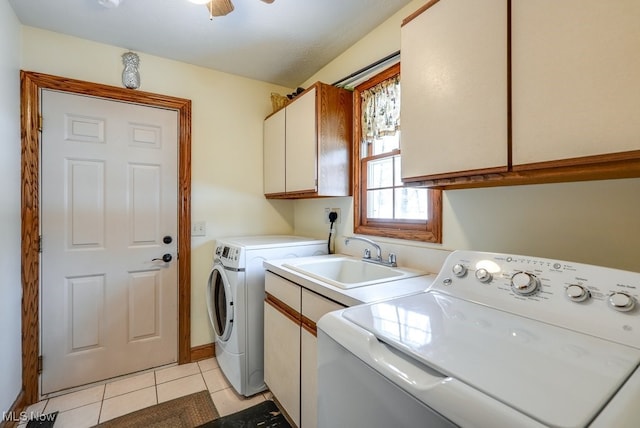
(97, 404)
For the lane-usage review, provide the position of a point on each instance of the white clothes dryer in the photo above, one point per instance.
(235, 296)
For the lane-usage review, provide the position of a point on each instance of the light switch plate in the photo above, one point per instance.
(199, 228)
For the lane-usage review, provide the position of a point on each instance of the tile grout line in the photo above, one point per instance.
(104, 391)
(155, 381)
(103, 397)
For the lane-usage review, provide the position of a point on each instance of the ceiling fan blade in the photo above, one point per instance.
(220, 7)
(268, 1)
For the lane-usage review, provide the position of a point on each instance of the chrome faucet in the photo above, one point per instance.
(367, 253)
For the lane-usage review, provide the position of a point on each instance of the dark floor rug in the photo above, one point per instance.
(43, 421)
(184, 412)
(263, 415)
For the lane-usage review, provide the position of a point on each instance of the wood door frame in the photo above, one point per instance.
(31, 84)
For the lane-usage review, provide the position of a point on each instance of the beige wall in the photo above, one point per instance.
(10, 280)
(226, 148)
(589, 222)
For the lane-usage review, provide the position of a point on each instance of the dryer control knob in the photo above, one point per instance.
(577, 293)
(484, 275)
(459, 270)
(621, 302)
(524, 284)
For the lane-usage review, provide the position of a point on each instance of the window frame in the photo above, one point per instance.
(425, 231)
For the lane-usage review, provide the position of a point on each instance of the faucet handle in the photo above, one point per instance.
(392, 259)
(366, 254)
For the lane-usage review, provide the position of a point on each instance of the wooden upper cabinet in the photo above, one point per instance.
(454, 89)
(576, 81)
(313, 137)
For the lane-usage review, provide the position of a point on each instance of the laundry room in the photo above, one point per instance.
(531, 200)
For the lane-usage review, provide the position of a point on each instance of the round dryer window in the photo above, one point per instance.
(220, 303)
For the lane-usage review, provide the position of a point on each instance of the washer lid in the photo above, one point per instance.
(559, 377)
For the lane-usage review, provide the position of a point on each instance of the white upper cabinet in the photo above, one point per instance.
(454, 89)
(301, 137)
(307, 145)
(576, 79)
(274, 156)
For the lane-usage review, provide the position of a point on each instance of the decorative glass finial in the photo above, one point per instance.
(130, 74)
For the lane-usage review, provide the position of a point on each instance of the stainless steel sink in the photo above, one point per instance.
(347, 272)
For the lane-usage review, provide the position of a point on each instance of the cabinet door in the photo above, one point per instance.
(274, 158)
(309, 380)
(301, 137)
(282, 359)
(454, 89)
(314, 307)
(576, 85)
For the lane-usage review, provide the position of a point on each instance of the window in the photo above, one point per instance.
(384, 206)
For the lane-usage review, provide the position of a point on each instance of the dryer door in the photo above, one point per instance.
(220, 302)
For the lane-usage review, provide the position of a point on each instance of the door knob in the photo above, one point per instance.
(165, 258)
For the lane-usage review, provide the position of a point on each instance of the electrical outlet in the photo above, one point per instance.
(329, 210)
(199, 228)
(337, 211)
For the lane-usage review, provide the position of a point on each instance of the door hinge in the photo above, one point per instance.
(40, 364)
(40, 244)
(40, 123)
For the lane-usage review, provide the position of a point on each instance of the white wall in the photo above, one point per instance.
(589, 222)
(228, 112)
(10, 279)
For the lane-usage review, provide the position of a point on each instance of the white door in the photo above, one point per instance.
(109, 207)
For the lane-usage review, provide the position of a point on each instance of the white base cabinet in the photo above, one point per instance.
(282, 360)
(309, 378)
(290, 361)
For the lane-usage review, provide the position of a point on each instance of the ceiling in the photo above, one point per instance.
(285, 42)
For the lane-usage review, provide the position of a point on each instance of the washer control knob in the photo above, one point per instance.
(524, 284)
(577, 293)
(459, 270)
(484, 275)
(621, 302)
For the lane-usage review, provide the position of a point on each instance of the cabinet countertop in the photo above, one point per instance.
(353, 296)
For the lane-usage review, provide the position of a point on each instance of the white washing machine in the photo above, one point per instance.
(498, 340)
(235, 296)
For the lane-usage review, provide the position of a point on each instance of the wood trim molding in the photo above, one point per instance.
(203, 352)
(283, 308)
(12, 416)
(304, 322)
(453, 175)
(549, 174)
(309, 325)
(581, 161)
(31, 84)
(418, 12)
